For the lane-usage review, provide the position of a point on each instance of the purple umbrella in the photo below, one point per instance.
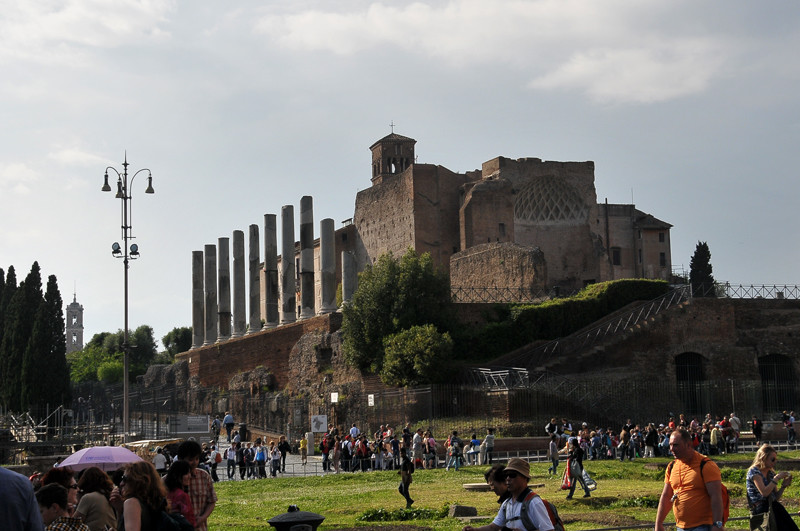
(108, 458)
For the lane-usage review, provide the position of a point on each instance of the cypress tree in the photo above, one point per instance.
(700, 270)
(20, 315)
(45, 376)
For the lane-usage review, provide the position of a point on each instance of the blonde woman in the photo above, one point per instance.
(763, 491)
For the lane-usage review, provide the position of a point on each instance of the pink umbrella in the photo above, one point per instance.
(108, 458)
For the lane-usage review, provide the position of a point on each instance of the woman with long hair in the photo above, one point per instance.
(140, 497)
(177, 483)
(763, 491)
(94, 508)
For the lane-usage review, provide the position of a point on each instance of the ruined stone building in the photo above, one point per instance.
(524, 226)
(524, 223)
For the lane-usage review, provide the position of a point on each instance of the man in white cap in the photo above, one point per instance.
(512, 515)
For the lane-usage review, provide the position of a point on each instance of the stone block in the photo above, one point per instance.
(458, 511)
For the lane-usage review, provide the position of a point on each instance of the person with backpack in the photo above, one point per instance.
(524, 509)
(454, 449)
(214, 460)
(693, 488)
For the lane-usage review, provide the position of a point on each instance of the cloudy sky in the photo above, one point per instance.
(689, 109)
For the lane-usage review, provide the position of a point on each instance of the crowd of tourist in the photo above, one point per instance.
(138, 496)
(133, 498)
(709, 436)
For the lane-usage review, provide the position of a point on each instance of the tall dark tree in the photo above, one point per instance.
(45, 376)
(9, 287)
(177, 340)
(19, 318)
(700, 270)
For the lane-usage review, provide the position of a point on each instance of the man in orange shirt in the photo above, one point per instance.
(693, 494)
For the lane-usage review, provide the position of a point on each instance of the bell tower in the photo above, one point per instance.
(74, 326)
(391, 154)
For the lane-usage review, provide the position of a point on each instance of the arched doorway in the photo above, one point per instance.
(777, 383)
(690, 381)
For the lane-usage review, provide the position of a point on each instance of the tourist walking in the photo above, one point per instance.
(575, 467)
(510, 515)
(406, 470)
(692, 487)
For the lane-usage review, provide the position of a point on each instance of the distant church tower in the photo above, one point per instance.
(74, 326)
(391, 154)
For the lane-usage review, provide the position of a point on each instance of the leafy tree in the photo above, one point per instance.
(83, 364)
(393, 295)
(45, 378)
(177, 340)
(416, 356)
(700, 269)
(141, 345)
(111, 371)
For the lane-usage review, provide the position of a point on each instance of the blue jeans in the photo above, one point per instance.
(706, 527)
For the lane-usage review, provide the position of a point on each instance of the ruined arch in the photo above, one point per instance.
(690, 380)
(777, 382)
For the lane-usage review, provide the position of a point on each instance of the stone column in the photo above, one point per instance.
(271, 269)
(288, 287)
(224, 287)
(198, 318)
(349, 276)
(306, 257)
(211, 294)
(327, 263)
(255, 281)
(239, 311)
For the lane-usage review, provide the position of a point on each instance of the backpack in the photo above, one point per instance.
(217, 457)
(552, 512)
(726, 499)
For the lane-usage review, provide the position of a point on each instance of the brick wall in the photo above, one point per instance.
(215, 365)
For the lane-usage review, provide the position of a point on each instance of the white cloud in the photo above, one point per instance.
(641, 75)
(64, 31)
(76, 157)
(18, 177)
(611, 51)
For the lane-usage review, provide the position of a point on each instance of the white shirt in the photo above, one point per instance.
(160, 461)
(509, 515)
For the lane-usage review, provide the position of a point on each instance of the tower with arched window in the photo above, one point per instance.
(74, 326)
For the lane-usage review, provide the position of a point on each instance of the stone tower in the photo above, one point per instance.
(390, 155)
(74, 327)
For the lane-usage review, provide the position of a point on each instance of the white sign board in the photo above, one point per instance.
(371, 400)
(319, 423)
(334, 398)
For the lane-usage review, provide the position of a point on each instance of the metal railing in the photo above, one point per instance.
(535, 357)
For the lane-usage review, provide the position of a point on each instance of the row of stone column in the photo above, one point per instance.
(211, 278)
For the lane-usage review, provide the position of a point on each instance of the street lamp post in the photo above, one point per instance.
(126, 253)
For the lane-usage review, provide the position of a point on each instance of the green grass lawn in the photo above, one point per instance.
(627, 494)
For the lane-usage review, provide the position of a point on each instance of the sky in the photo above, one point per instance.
(688, 109)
